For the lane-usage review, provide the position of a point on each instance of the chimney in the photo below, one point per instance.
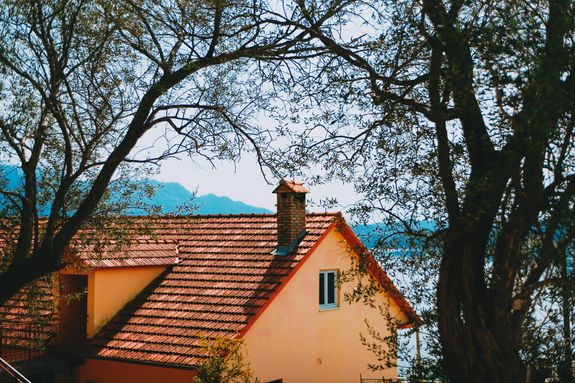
(290, 215)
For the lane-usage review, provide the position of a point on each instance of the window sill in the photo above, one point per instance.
(328, 308)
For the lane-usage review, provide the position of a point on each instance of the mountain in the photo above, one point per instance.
(373, 233)
(213, 204)
(170, 196)
(173, 198)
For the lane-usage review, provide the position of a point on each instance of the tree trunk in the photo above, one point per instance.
(23, 272)
(566, 368)
(477, 347)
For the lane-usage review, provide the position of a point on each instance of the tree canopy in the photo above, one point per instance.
(83, 81)
(462, 114)
(453, 112)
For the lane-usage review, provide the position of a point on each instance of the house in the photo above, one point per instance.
(145, 304)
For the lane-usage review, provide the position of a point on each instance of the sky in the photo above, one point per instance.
(244, 182)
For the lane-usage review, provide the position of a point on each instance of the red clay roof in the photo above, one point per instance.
(139, 252)
(131, 241)
(226, 277)
(222, 275)
(226, 274)
(26, 320)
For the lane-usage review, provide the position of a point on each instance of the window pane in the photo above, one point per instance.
(321, 288)
(331, 288)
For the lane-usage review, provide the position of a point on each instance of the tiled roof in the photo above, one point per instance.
(226, 274)
(222, 273)
(26, 320)
(139, 252)
(131, 241)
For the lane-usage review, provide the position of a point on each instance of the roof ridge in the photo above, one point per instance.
(200, 215)
(232, 215)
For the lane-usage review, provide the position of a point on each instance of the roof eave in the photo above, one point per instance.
(141, 362)
(353, 241)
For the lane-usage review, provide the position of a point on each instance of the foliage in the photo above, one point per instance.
(85, 81)
(461, 114)
(457, 113)
(384, 346)
(224, 363)
(384, 343)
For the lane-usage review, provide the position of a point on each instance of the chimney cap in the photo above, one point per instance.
(292, 186)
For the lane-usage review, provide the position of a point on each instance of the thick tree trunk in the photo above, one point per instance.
(477, 346)
(24, 272)
(566, 368)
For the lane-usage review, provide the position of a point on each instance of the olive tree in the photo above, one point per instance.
(84, 80)
(461, 114)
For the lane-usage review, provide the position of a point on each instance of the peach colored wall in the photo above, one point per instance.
(110, 289)
(106, 371)
(293, 340)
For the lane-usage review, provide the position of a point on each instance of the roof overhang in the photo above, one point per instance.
(375, 269)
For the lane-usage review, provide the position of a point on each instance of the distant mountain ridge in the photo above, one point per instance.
(171, 197)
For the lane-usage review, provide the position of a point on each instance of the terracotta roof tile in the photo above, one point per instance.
(226, 274)
(133, 251)
(221, 273)
(26, 320)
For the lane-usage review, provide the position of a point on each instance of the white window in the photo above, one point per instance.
(327, 289)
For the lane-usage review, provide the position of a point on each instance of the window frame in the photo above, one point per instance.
(326, 305)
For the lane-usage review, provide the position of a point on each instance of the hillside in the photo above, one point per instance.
(171, 196)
